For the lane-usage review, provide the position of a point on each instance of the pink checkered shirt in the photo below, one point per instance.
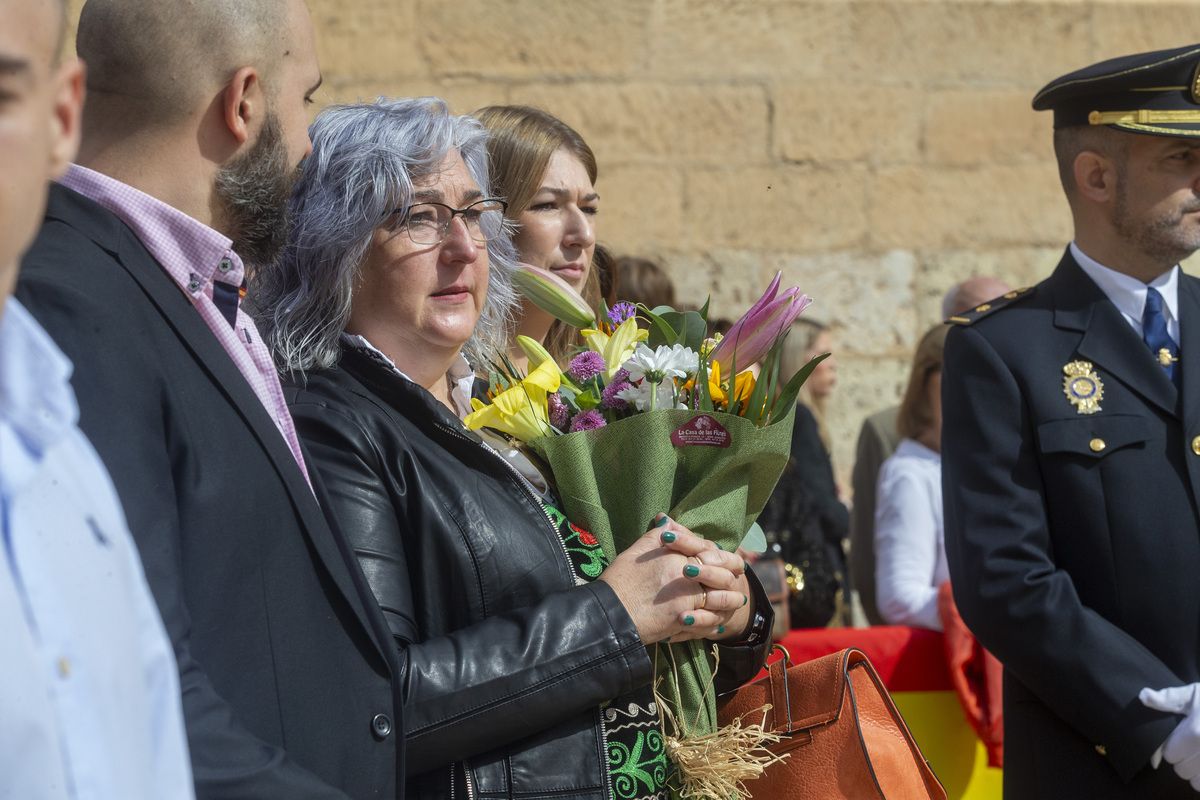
(193, 254)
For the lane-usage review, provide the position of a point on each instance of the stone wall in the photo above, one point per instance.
(875, 152)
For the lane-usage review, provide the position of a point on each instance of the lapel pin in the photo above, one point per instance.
(1082, 387)
(1164, 357)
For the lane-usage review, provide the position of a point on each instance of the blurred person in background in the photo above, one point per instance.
(876, 441)
(910, 550)
(523, 650)
(640, 280)
(546, 173)
(805, 500)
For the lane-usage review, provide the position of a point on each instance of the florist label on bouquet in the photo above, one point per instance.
(702, 430)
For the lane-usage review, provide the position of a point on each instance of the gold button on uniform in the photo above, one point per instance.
(1098, 444)
(1101, 749)
(1196, 445)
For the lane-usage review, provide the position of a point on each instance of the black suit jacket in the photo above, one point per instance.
(287, 687)
(1073, 539)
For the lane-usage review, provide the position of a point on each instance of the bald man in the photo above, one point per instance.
(194, 128)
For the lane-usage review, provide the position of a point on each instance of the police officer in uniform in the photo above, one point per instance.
(1071, 454)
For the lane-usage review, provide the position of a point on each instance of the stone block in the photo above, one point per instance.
(955, 43)
(641, 208)
(786, 208)
(977, 127)
(366, 39)
(991, 206)
(651, 122)
(1134, 27)
(822, 122)
(528, 38)
(747, 38)
(463, 96)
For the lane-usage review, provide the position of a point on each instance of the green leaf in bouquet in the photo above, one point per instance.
(703, 395)
(587, 399)
(661, 332)
(787, 396)
(704, 311)
(758, 396)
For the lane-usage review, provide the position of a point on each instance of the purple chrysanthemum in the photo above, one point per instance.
(621, 312)
(586, 366)
(587, 420)
(608, 397)
(620, 375)
(557, 411)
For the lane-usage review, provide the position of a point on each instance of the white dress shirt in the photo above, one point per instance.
(1128, 294)
(910, 546)
(89, 689)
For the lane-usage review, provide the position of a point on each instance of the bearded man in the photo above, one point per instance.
(194, 128)
(1071, 454)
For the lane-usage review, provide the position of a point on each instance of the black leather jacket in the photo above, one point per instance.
(504, 660)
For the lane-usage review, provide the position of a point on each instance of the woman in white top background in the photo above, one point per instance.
(910, 550)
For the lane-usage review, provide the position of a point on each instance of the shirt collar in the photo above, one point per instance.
(192, 253)
(1127, 293)
(36, 399)
(460, 374)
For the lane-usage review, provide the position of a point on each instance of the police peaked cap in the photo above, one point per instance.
(1155, 93)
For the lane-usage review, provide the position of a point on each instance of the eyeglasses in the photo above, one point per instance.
(427, 223)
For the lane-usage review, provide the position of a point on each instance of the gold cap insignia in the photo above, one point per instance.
(1082, 387)
(1196, 85)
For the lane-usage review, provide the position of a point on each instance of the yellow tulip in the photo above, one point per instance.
(520, 410)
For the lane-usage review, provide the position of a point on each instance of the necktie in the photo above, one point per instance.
(1154, 330)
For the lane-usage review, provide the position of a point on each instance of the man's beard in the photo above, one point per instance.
(253, 191)
(1166, 237)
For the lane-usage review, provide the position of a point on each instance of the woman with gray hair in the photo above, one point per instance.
(524, 666)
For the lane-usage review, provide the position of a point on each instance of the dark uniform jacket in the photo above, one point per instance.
(1073, 539)
(505, 660)
(287, 688)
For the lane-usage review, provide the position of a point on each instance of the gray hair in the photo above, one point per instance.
(366, 158)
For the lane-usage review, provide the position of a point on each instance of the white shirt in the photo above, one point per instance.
(89, 689)
(1128, 294)
(910, 546)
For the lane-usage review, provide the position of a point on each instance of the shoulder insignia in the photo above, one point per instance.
(991, 307)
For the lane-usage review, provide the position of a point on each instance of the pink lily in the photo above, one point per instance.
(752, 336)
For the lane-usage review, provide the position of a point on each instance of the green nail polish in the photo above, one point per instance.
(745, 599)
(662, 521)
(689, 620)
(666, 640)
(719, 546)
(746, 566)
(691, 570)
(668, 537)
(720, 629)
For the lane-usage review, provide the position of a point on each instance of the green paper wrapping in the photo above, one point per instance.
(613, 481)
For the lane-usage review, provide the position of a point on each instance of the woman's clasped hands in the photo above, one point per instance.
(677, 586)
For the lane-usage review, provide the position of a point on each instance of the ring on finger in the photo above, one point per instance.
(703, 598)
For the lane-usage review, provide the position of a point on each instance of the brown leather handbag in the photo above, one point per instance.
(840, 730)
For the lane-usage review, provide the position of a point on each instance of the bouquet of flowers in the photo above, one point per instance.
(645, 421)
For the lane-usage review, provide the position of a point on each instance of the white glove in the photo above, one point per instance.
(1182, 748)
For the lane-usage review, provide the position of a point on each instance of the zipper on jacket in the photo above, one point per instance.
(467, 780)
(522, 482)
(604, 767)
